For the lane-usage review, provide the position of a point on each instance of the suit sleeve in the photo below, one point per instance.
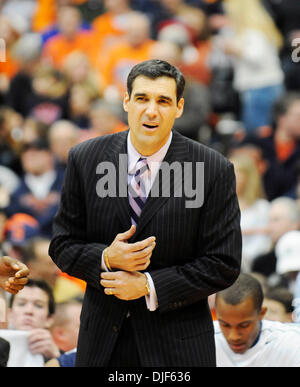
(217, 264)
(69, 248)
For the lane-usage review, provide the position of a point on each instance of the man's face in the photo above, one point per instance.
(279, 222)
(30, 309)
(152, 110)
(240, 323)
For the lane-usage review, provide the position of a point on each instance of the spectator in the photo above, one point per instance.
(105, 118)
(259, 82)
(244, 338)
(63, 135)
(122, 57)
(110, 28)
(71, 37)
(35, 255)
(279, 304)
(254, 209)
(65, 333)
(50, 99)
(283, 217)
(33, 309)
(280, 147)
(286, 15)
(18, 229)
(10, 126)
(39, 191)
(288, 257)
(27, 51)
(65, 328)
(9, 182)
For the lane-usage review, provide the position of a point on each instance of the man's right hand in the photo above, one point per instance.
(130, 256)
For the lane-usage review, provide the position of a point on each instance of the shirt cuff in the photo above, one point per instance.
(151, 298)
(103, 266)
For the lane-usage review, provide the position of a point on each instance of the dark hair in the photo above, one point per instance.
(156, 68)
(43, 285)
(245, 286)
(283, 104)
(282, 295)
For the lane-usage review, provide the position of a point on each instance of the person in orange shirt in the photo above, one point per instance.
(109, 28)
(9, 35)
(46, 13)
(71, 38)
(121, 58)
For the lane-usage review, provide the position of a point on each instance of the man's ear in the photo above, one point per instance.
(263, 312)
(180, 106)
(125, 101)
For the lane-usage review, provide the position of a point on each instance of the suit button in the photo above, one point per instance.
(115, 329)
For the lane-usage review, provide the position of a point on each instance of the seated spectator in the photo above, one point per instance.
(288, 257)
(10, 124)
(18, 229)
(280, 147)
(71, 37)
(39, 191)
(50, 98)
(109, 29)
(105, 118)
(279, 304)
(62, 136)
(121, 58)
(65, 328)
(254, 209)
(9, 182)
(27, 51)
(284, 216)
(35, 255)
(244, 338)
(65, 333)
(32, 310)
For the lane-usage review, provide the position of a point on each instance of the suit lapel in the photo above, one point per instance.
(117, 153)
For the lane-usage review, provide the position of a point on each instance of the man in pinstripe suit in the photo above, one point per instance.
(148, 270)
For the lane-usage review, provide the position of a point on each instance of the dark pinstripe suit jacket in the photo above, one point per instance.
(197, 253)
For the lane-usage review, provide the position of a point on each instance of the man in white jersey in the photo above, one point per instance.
(243, 338)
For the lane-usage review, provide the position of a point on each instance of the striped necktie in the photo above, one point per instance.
(137, 190)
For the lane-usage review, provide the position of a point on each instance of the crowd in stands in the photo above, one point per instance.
(62, 82)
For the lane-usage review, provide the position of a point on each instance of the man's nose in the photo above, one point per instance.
(151, 110)
(234, 335)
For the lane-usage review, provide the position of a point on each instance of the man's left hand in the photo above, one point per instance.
(124, 285)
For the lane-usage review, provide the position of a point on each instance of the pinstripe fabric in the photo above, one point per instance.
(197, 253)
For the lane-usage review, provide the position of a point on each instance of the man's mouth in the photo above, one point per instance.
(150, 126)
(238, 347)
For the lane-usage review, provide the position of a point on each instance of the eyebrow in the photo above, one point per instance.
(160, 96)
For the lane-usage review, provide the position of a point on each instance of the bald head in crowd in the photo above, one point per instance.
(62, 136)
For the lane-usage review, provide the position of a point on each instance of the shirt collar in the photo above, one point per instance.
(153, 161)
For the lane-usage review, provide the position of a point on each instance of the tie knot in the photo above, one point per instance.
(141, 166)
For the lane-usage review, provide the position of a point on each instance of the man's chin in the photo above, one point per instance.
(238, 348)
